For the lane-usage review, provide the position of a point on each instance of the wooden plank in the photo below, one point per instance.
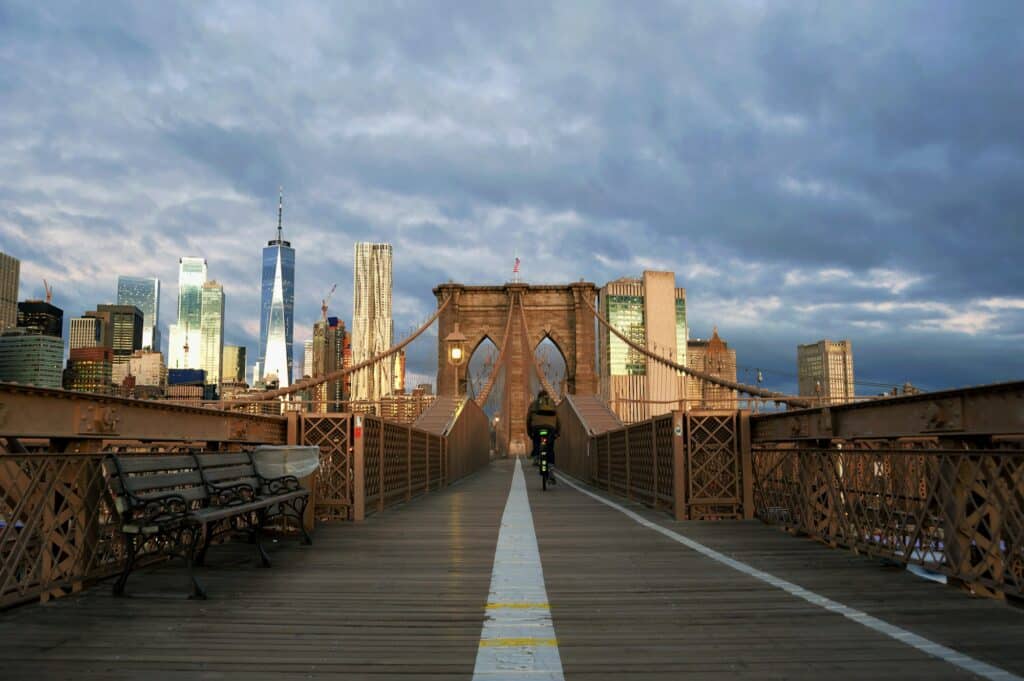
(403, 594)
(629, 603)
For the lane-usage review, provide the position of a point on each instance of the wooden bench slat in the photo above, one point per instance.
(190, 494)
(228, 473)
(225, 459)
(141, 483)
(150, 464)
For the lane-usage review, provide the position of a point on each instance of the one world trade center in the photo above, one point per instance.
(277, 303)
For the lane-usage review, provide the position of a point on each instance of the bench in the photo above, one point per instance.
(177, 504)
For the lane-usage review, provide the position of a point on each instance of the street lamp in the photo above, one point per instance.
(456, 343)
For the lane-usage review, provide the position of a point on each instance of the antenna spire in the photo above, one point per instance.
(280, 210)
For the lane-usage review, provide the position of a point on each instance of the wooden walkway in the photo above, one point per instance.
(404, 595)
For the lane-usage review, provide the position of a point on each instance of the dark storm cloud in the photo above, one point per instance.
(841, 169)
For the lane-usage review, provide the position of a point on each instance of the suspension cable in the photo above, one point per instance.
(335, 375)
(481, 399)
(704, 376)
(536, 367)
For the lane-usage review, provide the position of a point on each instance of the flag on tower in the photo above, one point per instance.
(515, 268)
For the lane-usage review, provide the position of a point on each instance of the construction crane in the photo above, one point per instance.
(323, 303)
(49, 291)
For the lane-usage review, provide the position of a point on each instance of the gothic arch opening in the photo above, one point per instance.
(481, 364)
(550, 360)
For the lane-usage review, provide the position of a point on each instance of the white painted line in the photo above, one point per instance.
(940, 651)
(518, 637)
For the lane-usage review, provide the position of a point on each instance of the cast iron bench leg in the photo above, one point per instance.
(261, 517)
(198, 592)
(299, 507)
(201, 556)
(130, 552)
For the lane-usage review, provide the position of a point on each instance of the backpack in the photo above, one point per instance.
(545, 405)
(544, 414)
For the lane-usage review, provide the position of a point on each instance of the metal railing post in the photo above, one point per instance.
(380, 467)
(746, 462)
(408, 463)
(608, 458)
(629, 481)
(358, 471)
(654, 461)
(679, 509)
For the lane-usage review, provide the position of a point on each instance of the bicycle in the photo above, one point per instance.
(543, 458)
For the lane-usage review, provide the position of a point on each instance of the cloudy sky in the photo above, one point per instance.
(807, 169)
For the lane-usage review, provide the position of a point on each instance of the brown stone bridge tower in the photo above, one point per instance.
(560, 313)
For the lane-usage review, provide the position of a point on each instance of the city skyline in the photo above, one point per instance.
(767, 188)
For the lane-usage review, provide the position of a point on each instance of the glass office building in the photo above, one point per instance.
(31, 359)
(211, 350)
(233, 365)
(277, 303)
(39, 317)
(187, 333)
(626, 313)
(125, 330)
(143, 293)
(651, 312)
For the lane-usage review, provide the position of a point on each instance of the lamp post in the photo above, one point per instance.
(456, 343)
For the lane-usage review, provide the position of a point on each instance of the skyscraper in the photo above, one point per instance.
(211, 349)
(85, 332)
(825, 370)
(277, 302)
(10, 268)
(371, 319)
(143, 293)
(31, 358)
(307, 357)
(187, 333)
(36, 316)
(125, 335)
(328, 355)
(398, 374)
(651, 312)
(148, 368)
(233, 364)
(90, 369)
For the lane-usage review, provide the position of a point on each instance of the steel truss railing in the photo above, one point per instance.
(58, 529)
(959, 512)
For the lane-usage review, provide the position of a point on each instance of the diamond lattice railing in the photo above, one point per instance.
(954, 511)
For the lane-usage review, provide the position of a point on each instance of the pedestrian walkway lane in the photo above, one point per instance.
(630, 602)
(518, 640)
(494, 579)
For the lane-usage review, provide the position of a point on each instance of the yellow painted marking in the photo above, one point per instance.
(517, 642)
(519, 606)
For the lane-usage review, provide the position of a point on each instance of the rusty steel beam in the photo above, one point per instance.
(30, 412)
(985, 410)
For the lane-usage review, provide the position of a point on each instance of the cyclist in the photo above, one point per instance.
(542, 415)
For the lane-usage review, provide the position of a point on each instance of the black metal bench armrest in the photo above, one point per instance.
(281, 485)
(230, 495)
(162, 510)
